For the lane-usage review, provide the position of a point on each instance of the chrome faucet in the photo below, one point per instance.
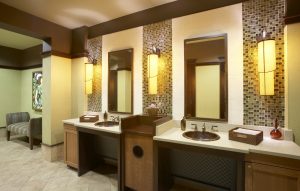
(214, 128)
(203, 128)
(195, 127)
(115, 118)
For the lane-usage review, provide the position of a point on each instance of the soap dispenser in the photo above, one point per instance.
(183, 123)
(275, 133)
(105, 116)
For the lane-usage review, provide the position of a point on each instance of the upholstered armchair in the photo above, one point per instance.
(20, 123)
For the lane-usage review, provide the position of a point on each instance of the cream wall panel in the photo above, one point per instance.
(292, 47)
(132, 38)
(56, 97)
(79, 98)
(10, 93)
(218, 21)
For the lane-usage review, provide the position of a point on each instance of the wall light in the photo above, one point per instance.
(266, 64)
(89, 74)
(153, 70)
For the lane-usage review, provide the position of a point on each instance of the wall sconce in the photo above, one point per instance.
(153, 70)
(89, 74)
(266, 64)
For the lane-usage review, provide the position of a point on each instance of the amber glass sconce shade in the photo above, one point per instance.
(153, 60)
(266, 65)
(89, 74)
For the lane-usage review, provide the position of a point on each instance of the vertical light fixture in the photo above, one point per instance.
(153, 71)
(89, 74)
(266, 64)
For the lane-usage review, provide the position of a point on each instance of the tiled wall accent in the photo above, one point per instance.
(160, 36)
(95, 52)
(257, 14)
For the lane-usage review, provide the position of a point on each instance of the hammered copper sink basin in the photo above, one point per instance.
(107, 123)
(201, 136)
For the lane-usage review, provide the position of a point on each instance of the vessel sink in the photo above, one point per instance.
(107, 123)
(201, 135)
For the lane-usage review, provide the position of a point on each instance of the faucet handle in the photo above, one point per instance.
(214, 128)
(195, 127)
(203, 128)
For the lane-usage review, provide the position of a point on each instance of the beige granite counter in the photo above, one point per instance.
(113, 129)
(281, 148)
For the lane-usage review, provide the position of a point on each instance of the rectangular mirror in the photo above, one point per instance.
(206, 77)
(120, 74)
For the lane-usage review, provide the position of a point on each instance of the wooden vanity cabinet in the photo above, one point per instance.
(269, 173)
(70, 146)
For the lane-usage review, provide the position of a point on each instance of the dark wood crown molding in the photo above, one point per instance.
(156, 14)
(24, 23)
(292, 11)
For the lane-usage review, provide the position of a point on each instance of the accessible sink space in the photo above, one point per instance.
(106, 123)
(201, 136)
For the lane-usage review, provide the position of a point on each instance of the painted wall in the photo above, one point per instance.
(26, 92)
(205, 24)
(79, 98)
(10, 96)
(124, 91)
(132, 38)
(292, 47)
(56, 97)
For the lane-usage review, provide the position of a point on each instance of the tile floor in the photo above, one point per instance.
(22, 169)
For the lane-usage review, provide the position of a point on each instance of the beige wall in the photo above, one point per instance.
(292, 46)
(208, 91)
(26, 92)
(56, 97)
(124, 91)
(132, 38)
(10, 96)
(218, 21)
(79, 98)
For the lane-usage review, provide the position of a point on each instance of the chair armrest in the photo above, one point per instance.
(35, 126)
(12, 118)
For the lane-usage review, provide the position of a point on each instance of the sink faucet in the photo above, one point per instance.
(195, 127)
(115, 118)
(203, 128)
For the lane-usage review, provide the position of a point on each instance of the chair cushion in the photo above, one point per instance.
(19, 128)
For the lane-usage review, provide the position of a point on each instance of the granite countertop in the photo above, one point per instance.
(113, 129)
(280, 148)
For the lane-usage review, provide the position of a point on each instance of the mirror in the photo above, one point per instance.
(120, 81)
(206, 77)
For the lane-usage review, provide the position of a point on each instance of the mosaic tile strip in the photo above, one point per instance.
(259, 14)
(95, 52)
(160, 36)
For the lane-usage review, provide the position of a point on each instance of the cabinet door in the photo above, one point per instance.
(71, 157)
(261, 177)
(139, 162)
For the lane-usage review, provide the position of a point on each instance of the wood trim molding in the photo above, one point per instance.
(55, 53)
(292, 19)
(54, 145)
(156, 14)
(24, 23)
(21, 68)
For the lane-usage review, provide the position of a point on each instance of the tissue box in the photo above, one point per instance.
(89, 118)
(249, 136)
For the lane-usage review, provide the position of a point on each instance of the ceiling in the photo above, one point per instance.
(17, 41)
(77, 13)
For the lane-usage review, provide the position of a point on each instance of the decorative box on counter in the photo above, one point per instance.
(249, 136)
(89, 118)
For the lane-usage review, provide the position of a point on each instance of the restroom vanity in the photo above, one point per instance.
(224, 164)
(89, 146)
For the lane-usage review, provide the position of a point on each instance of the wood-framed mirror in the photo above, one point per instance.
(120, 81)
(206, 78)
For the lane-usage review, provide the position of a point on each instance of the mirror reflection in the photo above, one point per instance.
(206, 77)
(120, 81)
